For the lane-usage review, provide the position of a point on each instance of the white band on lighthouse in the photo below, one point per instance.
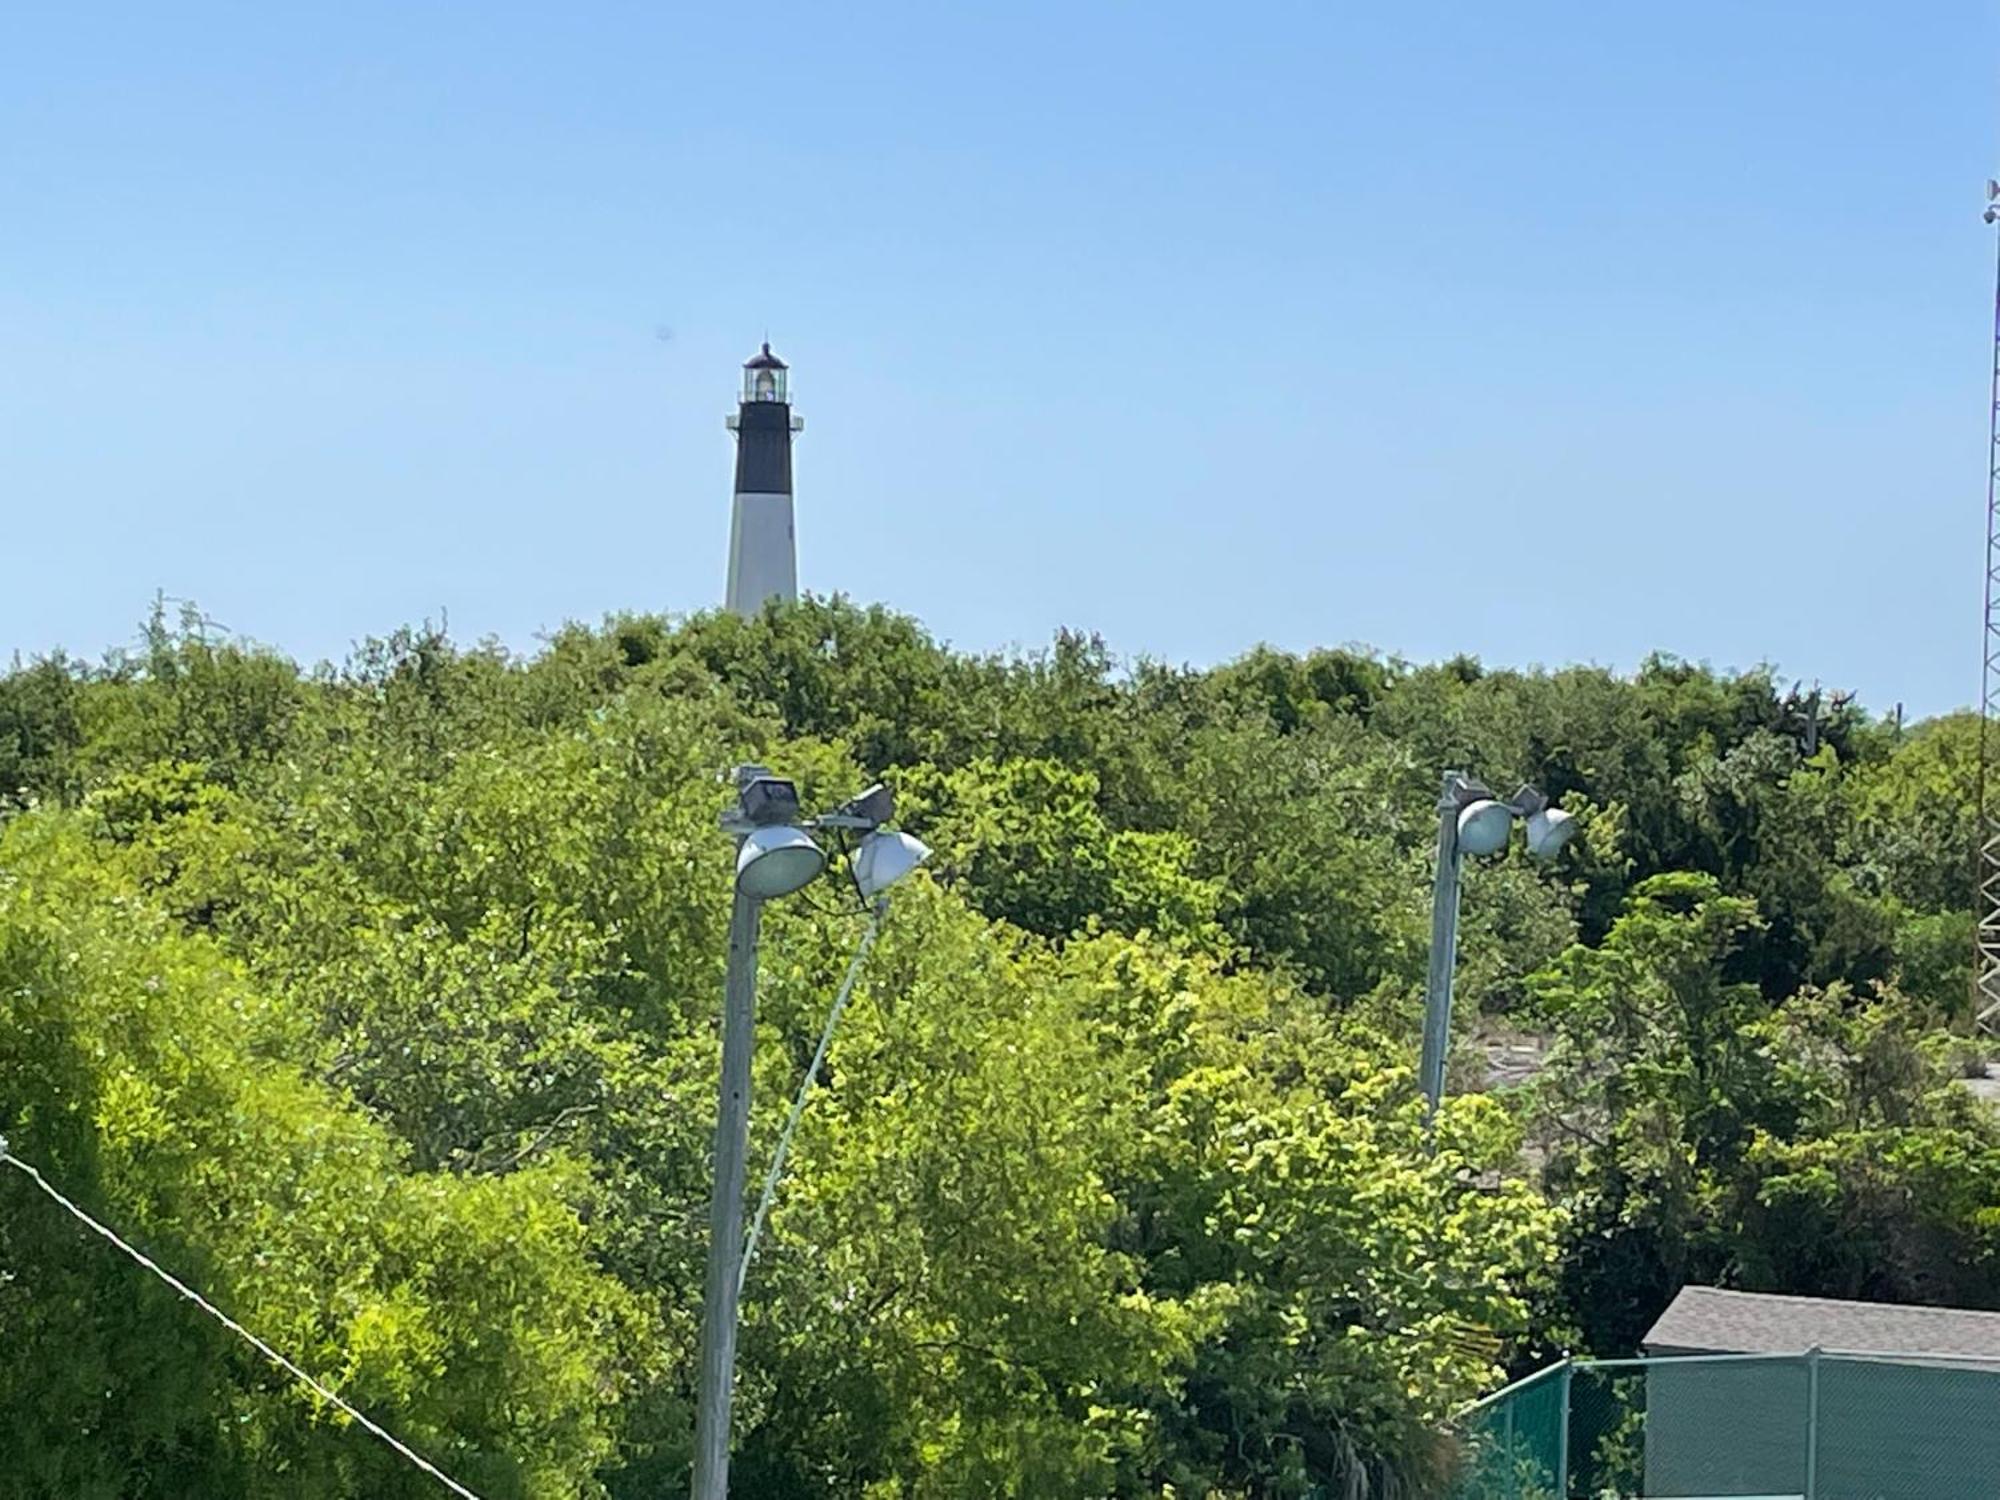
(763, 553)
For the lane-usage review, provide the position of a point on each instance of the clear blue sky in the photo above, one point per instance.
(1547, 333)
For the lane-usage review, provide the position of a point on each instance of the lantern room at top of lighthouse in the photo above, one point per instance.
(764, 377)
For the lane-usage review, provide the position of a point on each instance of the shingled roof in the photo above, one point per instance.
(1708, 1320)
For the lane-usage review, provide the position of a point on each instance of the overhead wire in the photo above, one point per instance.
(8, 1158)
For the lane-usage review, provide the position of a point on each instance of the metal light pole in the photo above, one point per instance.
(1444, 949)
(725, 1209)
(775, 856)
(1471, 820)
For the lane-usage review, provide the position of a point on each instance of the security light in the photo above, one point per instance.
(885, 858)
(1549, 828)
(1483, 826)
(776, 860)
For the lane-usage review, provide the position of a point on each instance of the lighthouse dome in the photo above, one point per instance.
(764, 359)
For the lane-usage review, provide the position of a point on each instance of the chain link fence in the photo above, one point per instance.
(1813, 1426)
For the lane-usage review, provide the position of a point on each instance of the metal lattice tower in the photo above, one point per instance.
(1986, 932)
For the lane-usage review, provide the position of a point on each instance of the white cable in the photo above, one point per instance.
(7, 1158)
(805, 1089)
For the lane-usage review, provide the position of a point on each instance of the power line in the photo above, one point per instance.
(7, 1158)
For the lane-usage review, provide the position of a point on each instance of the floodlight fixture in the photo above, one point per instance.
(885, 858)
(1549, 828)
(1483, 826)
(776, 860)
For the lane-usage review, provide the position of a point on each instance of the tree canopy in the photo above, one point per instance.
(381, 1001)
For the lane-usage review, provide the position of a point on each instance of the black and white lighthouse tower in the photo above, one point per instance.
(763, 555)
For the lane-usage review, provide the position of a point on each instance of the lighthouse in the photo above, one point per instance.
(763, 556)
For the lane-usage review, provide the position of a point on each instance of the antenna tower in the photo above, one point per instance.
(1986, 931)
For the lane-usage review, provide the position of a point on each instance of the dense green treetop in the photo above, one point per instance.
(381, 1001)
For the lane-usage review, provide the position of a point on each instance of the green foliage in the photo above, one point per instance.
(1273, 1175)
(1028, 844)
(1292, 692)
(188, 697)
(1916, 812)
(1697, 1133)
(40, 733)
(464, 1312)
(1312, 848)
(382, 1000)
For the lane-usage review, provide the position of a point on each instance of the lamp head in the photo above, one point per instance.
(1483, 826)
(776, 860)
(885, 858)
(1549, 828)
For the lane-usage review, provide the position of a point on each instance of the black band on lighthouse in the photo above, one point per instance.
(764, 448)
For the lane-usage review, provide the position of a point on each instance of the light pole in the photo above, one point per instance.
(775, 856)
(1471, 820)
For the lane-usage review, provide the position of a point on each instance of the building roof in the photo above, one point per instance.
(1708, 1320)
(765, 360)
